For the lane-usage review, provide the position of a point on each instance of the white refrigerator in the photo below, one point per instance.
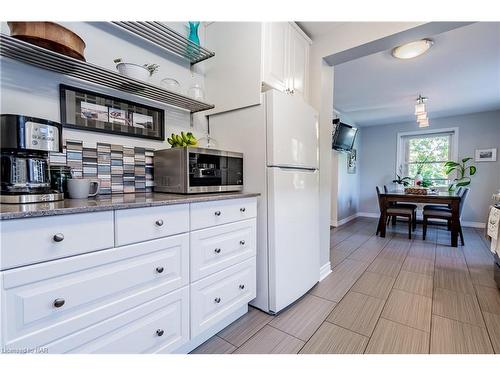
(279, 140)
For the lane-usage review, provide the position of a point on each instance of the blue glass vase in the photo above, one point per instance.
(193, 32)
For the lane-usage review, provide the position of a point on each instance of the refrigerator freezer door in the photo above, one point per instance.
(293, 234)
(292, 131)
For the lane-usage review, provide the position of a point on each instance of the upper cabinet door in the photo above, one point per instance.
(275, 64)
(299, 63)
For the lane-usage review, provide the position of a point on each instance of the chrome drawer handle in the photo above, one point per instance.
(58, 237)
(159, 222)
(242, 242)
(159, 269)
(59, 302)
(217, 300)
(242, 286)
(217, 213)
(242, 209)
(159, 332)
(217, 251)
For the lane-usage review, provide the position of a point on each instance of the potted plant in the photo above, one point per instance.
(136, 71)
(401, 181)
(462, 170)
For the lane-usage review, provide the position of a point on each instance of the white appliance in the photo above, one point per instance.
(279, 141)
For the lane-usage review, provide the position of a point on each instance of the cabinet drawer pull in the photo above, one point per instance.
(159, 332)
(58, 237)
(243, 209)
(159, 269)
(159, 222)
(217, 300)
(242, 242)
(217, 251)
(217, 213)
(59, 302)
(242, 286)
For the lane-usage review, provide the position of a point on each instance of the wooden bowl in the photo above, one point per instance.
(49, 35)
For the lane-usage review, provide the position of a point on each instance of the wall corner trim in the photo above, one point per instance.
(324, 271)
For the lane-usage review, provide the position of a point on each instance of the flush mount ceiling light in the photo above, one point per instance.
(412, 49)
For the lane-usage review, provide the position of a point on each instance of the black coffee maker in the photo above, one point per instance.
(25, 143)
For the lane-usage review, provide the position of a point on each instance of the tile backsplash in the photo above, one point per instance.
(120, 169)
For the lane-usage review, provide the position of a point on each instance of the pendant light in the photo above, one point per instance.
(421, 112)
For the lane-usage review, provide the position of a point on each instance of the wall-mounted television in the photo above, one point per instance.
(343, 136)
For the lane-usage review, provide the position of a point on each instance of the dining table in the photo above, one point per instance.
(450, 198)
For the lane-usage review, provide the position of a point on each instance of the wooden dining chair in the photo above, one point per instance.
(445, 214)
(393, 212)
(443, 206)
(403, 205)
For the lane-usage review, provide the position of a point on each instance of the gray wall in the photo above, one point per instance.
(378, 150)
(348, 184)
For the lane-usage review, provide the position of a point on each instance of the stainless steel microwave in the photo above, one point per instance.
(188, 170)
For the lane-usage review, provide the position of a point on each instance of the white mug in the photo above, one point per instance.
(79, 188)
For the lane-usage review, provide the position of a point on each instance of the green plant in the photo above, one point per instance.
(426, 182)
(405, 181)
(462, 169)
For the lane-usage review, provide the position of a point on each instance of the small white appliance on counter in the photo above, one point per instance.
(279, 140)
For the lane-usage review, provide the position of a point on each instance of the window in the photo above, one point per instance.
(425, 153)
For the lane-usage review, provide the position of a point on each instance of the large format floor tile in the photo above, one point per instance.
(385, 267)
(270, 340)
(304, 317)
(453, 337)
(374, 284)
(489, 299)
(245, 327)
(458, 281)
(419, 265)
(493, 326)
(215, 345)
(416, 283)
(394, 338)
(357, 312)
(337, 284)
(458, 306)
(409, 309)
(332, 339)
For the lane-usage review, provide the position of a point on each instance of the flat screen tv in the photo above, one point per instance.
(343, 136)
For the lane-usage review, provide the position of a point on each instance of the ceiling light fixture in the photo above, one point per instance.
(421, 112)
(412, 49)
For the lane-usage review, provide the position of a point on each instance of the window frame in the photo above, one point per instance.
(402, 136)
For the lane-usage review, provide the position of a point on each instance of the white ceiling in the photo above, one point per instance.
(316, 29)
(459, 74)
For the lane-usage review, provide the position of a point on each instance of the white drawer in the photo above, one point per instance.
(217, 296)
(208, 214)
(143, 224)
(159, 325)
(34, 240)
(216, 248)
(93, 286)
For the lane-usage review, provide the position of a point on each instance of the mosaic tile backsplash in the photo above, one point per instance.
(120, 169)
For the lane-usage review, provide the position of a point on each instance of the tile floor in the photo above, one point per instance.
(384, 295)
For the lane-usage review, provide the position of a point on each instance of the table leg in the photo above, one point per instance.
(383, 216)
(455, 222)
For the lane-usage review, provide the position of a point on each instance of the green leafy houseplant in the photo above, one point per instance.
(462, 170)
(405, 181)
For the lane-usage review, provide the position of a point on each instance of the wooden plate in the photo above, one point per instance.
(49, 35)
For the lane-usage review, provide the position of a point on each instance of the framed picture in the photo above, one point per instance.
(487, 154)
(351, 161)
(87, 110)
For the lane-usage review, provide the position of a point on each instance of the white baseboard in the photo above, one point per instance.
(324, 270)
(469, 224)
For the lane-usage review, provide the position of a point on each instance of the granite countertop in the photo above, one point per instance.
(109, 202)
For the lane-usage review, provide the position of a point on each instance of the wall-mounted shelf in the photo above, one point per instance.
(168, 39)
(56, 62)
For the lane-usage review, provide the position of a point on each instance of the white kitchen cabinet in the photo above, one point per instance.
(253, 57)
(121, 283)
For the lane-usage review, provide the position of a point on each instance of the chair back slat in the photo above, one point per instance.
(385, 189)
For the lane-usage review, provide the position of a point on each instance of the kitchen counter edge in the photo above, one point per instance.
(110, 203)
